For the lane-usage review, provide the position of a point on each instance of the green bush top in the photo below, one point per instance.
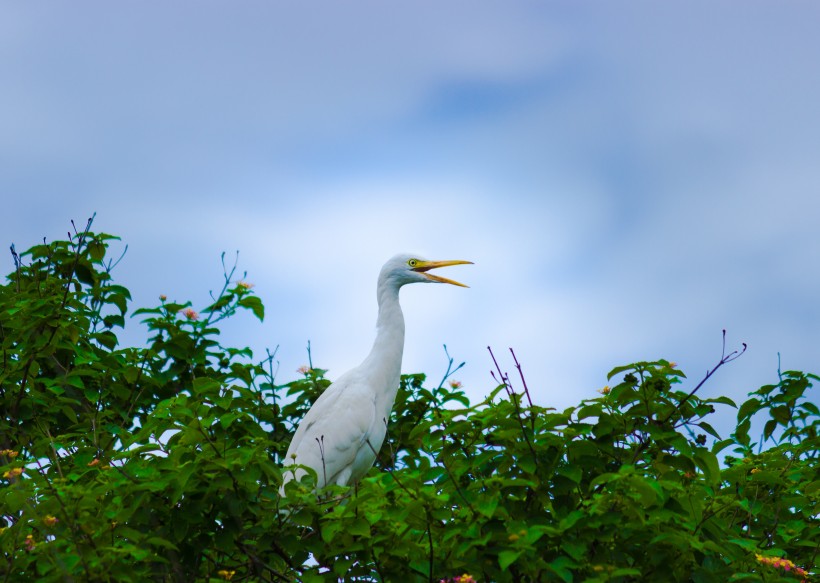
(162, 463)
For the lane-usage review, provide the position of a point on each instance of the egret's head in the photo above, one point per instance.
(403, 269)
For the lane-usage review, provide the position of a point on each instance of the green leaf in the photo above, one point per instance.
(106, 339)
(487, 506)
(769, 428)
(811, 408)
(206, 385)
(708, 463)
(254, 304)
(719, 446)
(782, 414)
(722, 401)
(330, 529)
(742, 432)
(574, 473)
(619, 369)
(708, 429)
(96, 249)
(626, 572)
(85, 274)
(748, 409)
(507, 558)
(161, 542)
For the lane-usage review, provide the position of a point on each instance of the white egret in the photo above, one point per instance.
(345, 427)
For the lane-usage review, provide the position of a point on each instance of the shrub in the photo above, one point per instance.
(162, 462)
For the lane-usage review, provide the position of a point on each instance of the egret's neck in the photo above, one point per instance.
(384, 361)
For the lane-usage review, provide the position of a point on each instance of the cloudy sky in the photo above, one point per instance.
(629, 178)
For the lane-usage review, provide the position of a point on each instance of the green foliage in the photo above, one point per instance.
(162, 463)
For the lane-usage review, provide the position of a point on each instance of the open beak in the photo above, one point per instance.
(425, 266)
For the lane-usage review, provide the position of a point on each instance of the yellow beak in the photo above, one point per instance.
(424, 266)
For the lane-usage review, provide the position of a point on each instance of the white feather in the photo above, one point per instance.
(342, 432)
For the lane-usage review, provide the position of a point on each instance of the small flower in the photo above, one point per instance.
(190, 314)
(93, 462)
(780, 563)
(163, 297)
(50, 520)
(689, 475)
(244, 285)
(29, 543)
(304, 369)
(605, 391)
(225, 574)
(465, 578)
(755, 471)
(673, 364)
(512, 538)
(10, 453)
(13, 473)
(455, 384)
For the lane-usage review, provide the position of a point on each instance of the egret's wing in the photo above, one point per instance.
(334, 431)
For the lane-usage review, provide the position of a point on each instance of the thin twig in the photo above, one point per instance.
(430, 545)
(112, 264)
(526, 390)
(17, 264)
(515, 400)
(724, 359)
(391, 472)
(521, 374)
(503, 379)
(321, 443)
(450, 370)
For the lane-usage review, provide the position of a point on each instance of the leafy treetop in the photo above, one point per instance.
(162, 462)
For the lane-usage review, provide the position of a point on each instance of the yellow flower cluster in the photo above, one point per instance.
(784, 564)
(602, 568)
(225, 574)
(9, 453)
(244, 285)
(465, 578)
(13, 473)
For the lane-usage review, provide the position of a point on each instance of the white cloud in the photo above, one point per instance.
(629, 180)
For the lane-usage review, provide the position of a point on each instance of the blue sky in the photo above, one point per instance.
(629, 179)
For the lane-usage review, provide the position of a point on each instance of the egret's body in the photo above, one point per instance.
(344, 429)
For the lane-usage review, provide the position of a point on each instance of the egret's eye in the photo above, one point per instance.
(413, 262)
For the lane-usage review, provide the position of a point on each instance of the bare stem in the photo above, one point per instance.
(515, 400)
(521, 374)
(724, 359)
